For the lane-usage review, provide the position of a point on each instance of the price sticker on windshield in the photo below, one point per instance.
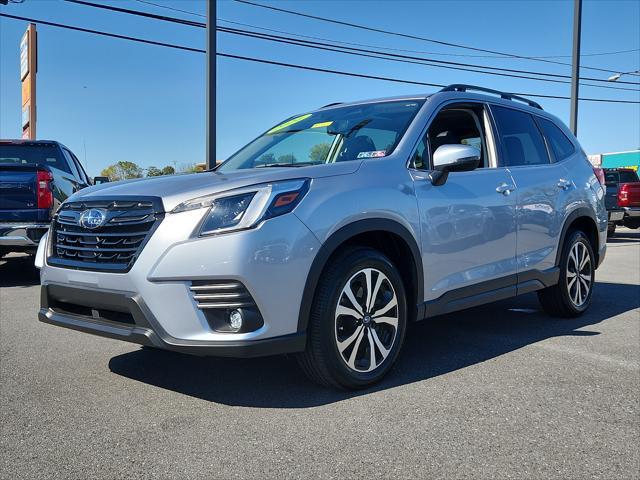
(374, 154)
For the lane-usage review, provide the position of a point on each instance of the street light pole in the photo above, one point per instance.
(575, 68)
(211, 84)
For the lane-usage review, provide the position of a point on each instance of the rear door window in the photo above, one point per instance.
(521, 140)
(560, 145)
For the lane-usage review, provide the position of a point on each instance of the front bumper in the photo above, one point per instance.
(125, 316)
(271, 261)
(22, 234)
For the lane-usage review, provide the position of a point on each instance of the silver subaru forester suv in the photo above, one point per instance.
(329, 233)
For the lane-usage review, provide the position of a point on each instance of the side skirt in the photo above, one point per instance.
(489, 291)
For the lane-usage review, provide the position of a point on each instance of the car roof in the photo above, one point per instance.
(516, 102)
(20, 141)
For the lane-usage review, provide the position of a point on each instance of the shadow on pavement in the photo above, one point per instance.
(18, 271)
(624, 235)
(432, 348)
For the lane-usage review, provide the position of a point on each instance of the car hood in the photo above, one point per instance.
(175, 189)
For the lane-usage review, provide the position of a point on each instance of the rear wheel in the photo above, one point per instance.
(358, 321)
(611, 229)
(571, 296)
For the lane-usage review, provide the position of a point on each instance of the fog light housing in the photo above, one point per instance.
(235, 320)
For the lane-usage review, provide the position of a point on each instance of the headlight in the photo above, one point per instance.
(246, 207)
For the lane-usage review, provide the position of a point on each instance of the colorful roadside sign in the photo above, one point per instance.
(24, 55)
(28, 70)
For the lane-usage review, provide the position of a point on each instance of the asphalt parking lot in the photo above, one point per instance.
(500, 391)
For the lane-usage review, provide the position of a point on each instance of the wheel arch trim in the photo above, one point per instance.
(571, 217)
(342, 235)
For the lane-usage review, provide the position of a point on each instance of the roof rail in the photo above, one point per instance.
(331, 104)
(460, 87)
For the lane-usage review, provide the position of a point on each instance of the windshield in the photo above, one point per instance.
(32, 155)
(334, 135)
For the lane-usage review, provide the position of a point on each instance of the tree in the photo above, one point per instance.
(154, 172)
(266, 159)
(319, 152)
(122, 170)
(168, 170)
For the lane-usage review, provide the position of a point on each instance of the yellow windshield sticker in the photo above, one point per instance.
(321, 124)
(288, 123)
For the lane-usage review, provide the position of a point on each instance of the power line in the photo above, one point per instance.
(399, 56)
(290, 65)
(599, 54)
(104, 34)
(441, 54)
(408, 59)
(191, 23)
(413, 37)
(366, 52)
(391, 79)
(172, 8)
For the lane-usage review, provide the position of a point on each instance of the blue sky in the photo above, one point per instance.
(142, 103)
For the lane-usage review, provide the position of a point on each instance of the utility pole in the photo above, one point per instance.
(575, 67)
(211, 83)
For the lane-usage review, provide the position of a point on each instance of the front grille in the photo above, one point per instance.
(223, 294)
(112, 246)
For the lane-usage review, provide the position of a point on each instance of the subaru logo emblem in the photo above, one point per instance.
(92, 218)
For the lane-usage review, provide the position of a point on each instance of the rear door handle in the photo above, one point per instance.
(505, 189)
(564, 184)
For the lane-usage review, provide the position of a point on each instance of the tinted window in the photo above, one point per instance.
(558, 141)
(72, 165)
(611, 178)
(83, 175)
(522, 142)
(628, 176)
(35, 154)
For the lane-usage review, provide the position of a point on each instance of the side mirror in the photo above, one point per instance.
(99, 180)
(453, 158)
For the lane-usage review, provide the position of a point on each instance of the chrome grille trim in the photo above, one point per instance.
(220, 294)
(115, 245)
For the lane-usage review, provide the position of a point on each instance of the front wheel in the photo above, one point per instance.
(358, 321)
(571, 296)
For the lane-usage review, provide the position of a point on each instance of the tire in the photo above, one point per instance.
(564, 299)
(611, 229)
(340, 334)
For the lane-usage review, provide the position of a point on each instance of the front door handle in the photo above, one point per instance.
(505, 189)
(564, 184)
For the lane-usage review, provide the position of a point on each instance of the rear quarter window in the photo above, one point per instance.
(560, 145)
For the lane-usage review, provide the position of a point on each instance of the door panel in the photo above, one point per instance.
(468, 229)
(541, 193)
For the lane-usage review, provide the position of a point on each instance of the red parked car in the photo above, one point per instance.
(623, 194)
